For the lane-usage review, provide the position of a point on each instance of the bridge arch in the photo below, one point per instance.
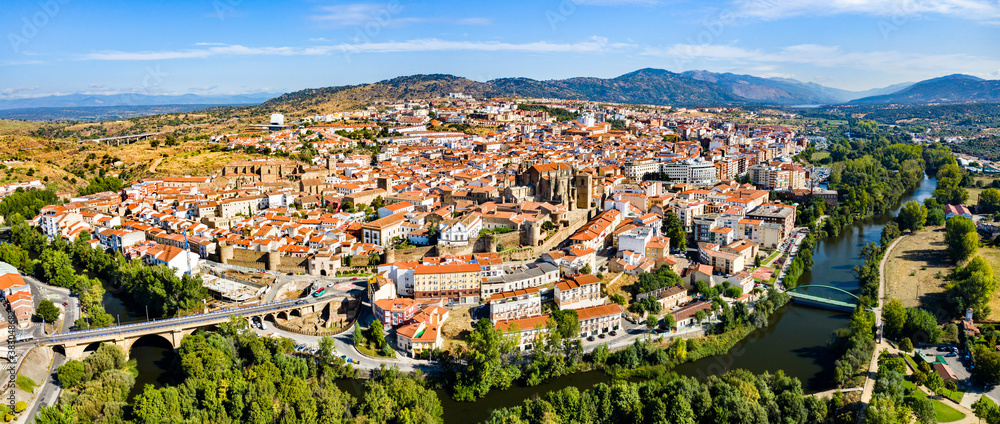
(155, 339)
(826, 287)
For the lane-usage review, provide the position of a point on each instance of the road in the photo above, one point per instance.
(59, 296)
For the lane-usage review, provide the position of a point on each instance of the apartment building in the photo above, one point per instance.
(599, 319)
(580, 292)
(394, 312)
(515, 304)
(382, 231)
(521, 278)
(524, 331)
(457, 283)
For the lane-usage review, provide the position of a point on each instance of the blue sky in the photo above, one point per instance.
(245, 46)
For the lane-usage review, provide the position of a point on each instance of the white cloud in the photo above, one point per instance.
(779, 9)
(593, 45)
(892, 62)
(18, 90)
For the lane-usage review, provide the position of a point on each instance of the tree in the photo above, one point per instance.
(893, 317)
(378, 203)
(987, 365)
(652, 322)
(989, 201)
(974, 287)
(586, 269)
(673, 228)
(376, 334)
(906, 345)
(71, 373)
(668, 321)
(700, 316)
(961, 238)
(923, 409)
(921, 326)
(912, 216)
(567, 323)
(734, 292)
(986, 410)
(47, 311)
(326, 348)
(357, 337)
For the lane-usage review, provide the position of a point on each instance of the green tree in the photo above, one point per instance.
(906, 345)
(652, 322)
(921, 326)
(586, 269)
(893, 317)
(47, 311)
(989, 201)
(987, 365)
(700, 316)
(734, 292)
(974, 287)
(358, 337)
(668, 321)
(673, 228)
(912, 216)
(71, 374)
(327, 351)
(961, 238)
(567, 323)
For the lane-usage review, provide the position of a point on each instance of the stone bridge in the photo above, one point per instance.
(75, 343)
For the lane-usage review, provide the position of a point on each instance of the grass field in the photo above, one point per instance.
(818, 156)
(942, 412)
(913, 265)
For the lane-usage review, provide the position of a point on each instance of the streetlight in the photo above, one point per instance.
(147, 313)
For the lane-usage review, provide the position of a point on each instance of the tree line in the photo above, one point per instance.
(234, 376)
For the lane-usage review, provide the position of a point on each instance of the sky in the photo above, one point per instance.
(218, 47)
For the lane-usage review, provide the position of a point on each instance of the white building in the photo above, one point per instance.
(691, 171)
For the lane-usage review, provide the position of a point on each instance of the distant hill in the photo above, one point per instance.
(106, 100)
(957, 88)
(786, 91)
(645, 86)
(97, 113)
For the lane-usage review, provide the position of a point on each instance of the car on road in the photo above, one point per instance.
(354, 278)
(300, 302)
(590, 339)
(319, 292)
(65, 303)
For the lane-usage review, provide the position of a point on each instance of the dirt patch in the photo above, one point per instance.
(458, 325)
(618, 287)
(916, 267)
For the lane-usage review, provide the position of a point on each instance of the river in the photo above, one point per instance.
(796, 339)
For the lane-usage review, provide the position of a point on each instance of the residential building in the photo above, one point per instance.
(599, 319)
(580, 292)
(515, 304)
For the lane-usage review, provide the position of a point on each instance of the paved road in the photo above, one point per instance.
(57, 295)
(48, 393)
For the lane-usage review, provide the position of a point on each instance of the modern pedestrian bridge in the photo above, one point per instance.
(75, 343)
(823, 302)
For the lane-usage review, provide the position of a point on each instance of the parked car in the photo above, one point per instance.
(614, 333)
(942, 348)
(590, 339)
(601, 335)
(951, 355)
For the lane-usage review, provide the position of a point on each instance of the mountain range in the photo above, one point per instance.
(645, 86)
